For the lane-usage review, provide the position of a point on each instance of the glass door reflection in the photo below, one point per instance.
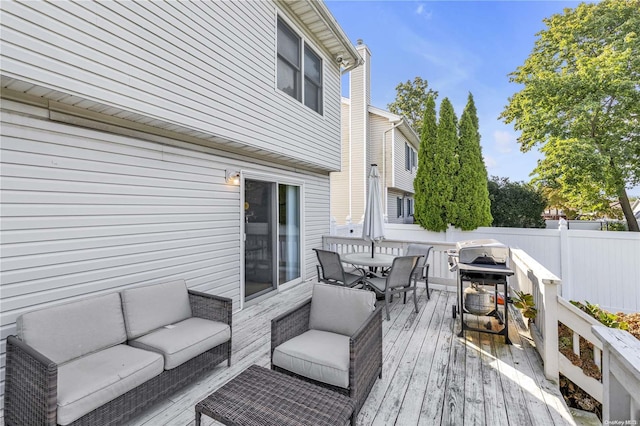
(260, 238)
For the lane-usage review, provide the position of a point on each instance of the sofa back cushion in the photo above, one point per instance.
(71, 330)
(340, 309)
(151, 307)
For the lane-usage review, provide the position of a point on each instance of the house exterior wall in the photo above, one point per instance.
(359, 134)
(340, 183)
(403, 178)
(87, 212)
(188, 64)
(369, 135)
(90, 205)
(396, 215)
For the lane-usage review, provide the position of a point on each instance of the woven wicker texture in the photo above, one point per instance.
(259, 396)
(31, 384)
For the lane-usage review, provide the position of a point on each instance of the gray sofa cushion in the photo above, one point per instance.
(91, 381)
(150, 307)
(318, 355)
(74, 329)
(180, 342)
(340, 309)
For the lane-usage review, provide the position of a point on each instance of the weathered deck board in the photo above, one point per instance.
(430, 376)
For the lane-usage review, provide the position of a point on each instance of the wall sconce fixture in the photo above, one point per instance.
(232, 177)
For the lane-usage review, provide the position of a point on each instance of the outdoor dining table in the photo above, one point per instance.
(379, 260)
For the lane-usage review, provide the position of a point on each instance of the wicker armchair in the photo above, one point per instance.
(364, 344)
(31, 378)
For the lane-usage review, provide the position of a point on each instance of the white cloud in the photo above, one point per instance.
(421, 11)
(490, 162)
(504, 140)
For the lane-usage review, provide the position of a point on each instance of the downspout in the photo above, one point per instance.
(384, 161)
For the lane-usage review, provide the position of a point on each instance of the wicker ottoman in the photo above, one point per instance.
(259, 396)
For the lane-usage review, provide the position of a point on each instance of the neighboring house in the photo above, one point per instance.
(151, 141)
(372, 135)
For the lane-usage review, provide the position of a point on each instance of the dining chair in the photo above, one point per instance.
(398, 280)
(331, 271)
(422, 268)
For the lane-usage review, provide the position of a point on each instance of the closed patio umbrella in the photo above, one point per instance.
(373, 226)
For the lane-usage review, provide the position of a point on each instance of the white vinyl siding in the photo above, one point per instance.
(86, 212)
(340, 186)
(395, 204)
(189, 64)
(403, 178)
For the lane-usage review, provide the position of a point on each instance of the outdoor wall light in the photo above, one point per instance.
(232, 177)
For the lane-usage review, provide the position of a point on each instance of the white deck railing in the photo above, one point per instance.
(615, 352)
(620, 376)
(439, 273)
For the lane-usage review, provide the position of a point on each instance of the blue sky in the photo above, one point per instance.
(458, 47)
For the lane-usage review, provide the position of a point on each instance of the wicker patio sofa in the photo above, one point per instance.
(333, 340)
(104, 359)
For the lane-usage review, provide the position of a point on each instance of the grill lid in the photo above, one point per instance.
(483, 251)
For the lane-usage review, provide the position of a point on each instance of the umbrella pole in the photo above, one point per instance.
(372, 249)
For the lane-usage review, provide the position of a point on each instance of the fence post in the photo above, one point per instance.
(550, 329)
(565, 262)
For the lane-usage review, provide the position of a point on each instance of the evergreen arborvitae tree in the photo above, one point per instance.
(439, 156)
(471, 207)
(428, 134)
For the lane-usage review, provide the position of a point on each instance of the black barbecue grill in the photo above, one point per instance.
(481, 267)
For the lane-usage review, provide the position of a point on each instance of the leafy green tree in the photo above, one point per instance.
(439, 157)
(471, 207)
(581, 102)
(516, 204)
(426, 153)
(411, 100)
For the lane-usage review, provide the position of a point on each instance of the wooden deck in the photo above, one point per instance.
(430, 376)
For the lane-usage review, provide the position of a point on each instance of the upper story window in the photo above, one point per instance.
(410, 157)
(291, 68)
(312, 80)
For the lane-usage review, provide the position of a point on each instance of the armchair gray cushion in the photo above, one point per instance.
(180, 342)
(74, 329)
(91, 381)
(318, 355)
(151, 307)
(339, 309)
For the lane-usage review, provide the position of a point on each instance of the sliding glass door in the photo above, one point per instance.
(288, 233)
(272, 217)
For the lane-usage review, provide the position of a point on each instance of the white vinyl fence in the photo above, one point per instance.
(601, 267)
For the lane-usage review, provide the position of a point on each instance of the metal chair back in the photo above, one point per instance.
(402, 270)
(331, 267)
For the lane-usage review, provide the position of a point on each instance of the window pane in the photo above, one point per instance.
(287, 79)
(288, 44)
(312, 96)
(312, 66)
(289, 233)
(407, 157)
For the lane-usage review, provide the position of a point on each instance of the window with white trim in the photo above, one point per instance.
(294, 62)
(409, 207)
(410, 157)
